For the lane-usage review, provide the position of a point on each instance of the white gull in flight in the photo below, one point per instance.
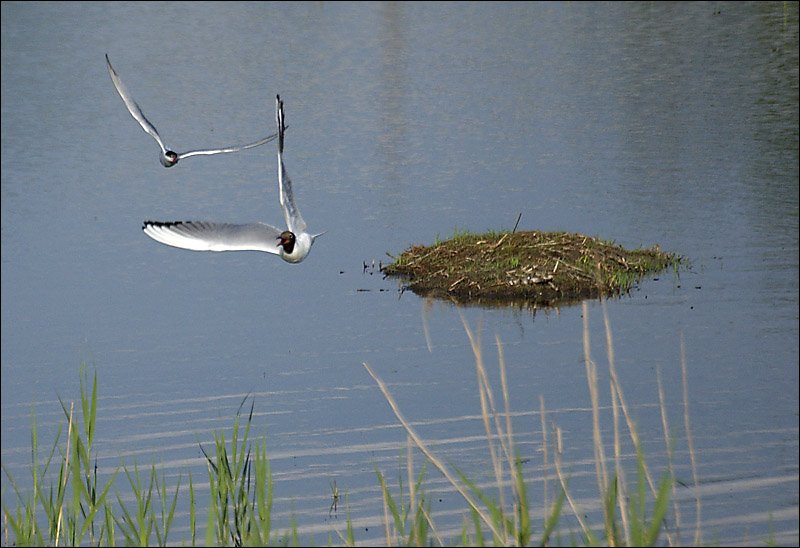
(292, 244)
(169, 158)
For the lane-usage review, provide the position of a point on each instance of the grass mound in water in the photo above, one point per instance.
(543, 268)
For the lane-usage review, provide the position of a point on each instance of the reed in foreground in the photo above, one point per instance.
(75, 507)
(506, 514)
(77, 510)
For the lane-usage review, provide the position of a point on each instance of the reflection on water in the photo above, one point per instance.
(669, 124)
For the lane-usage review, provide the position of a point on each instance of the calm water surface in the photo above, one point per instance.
(669, 124)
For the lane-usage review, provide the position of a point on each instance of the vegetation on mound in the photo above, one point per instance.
(545, 268)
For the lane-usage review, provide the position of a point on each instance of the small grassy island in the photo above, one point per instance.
(542, 268)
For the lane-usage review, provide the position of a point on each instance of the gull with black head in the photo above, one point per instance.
(292, 244)
(169, 158)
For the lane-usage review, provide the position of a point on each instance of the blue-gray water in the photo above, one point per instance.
(669, 124)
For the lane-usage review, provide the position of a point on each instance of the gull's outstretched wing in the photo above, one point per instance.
(294, 221)
(133, 108)
(205, 236)
(170, 158)
(235, 148)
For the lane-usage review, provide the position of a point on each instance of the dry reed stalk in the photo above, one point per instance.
(432, 528)
(510, 453)
(616, 391)
(617, 399)
(412, 488)
(486, 397)
(66, 470)
(431, 457)
(690, 441)
(623, 487)
(544, 448)
(617, 387)
(557, 460)
(410, 474)
(665, 427)
(599, 451)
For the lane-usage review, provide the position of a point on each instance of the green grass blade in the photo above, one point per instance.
(523, 532)
(399, 523)
(659, 511)
(476, 522)
(552, 519)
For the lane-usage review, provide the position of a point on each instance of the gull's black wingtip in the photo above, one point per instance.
(279, 117)
(165, 224)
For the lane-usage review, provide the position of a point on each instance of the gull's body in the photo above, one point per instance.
(169, 158)
(292, 244)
